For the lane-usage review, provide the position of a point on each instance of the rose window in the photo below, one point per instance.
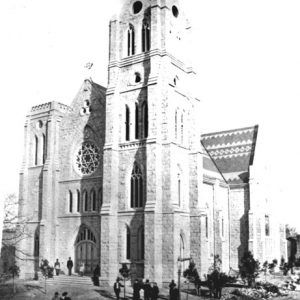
(87, 158)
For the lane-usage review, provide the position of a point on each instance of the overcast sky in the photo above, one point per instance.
(246, 55)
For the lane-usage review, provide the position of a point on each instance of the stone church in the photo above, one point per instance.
(126, 175)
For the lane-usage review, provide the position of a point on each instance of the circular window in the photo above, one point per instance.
(137, 7)
(138, 78)
(175, 11)
(39, 124)
(87, 158)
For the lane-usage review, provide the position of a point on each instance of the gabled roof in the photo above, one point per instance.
(232, 151)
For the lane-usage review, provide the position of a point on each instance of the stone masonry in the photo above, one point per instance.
(125, 175)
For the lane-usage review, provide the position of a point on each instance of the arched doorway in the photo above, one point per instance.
(86, 250)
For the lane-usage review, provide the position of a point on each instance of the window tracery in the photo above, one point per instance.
(85, 234)
(145, 36)
(130, 41)
(88, 158)
(137, 197)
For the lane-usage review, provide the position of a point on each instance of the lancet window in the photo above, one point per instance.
(130, 41)
(137, 197)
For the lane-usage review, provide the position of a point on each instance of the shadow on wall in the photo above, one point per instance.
(138, 181)
(89, 195)
(244, 227)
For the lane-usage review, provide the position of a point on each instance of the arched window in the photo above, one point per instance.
(85, 201)
(36, 150)
(85, 234)
(128, 243)
(70, 202)
(206, 226)
(93, 201)
(100, 198)
(145, 36)
(127, 123)
(78, 201)
(137, 197)
(267, 225)
(181, 246)
(141, 244)
(36, 244)
(130, 41)
(145, 119)
(44, 148)
(136, 121)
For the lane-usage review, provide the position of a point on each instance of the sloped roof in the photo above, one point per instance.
(232, 151)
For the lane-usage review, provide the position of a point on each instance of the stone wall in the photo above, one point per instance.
(238, 222)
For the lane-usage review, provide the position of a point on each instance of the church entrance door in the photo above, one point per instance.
(86, 251)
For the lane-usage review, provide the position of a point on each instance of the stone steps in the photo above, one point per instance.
(73, 280)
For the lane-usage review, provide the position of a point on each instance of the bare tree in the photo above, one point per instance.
(14, 231)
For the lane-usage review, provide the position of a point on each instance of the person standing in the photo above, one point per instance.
(154, 291)
(172, 285)
(117, 288)
(136, 290)
(96, 275)
(147, 290)
(57, 267)
(81, 269)
(70, 266)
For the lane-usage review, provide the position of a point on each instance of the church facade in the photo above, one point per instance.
(125, 174)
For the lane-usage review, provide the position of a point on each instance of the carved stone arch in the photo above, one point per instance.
(86, 250)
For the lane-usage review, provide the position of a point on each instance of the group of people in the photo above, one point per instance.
(69, 266)
(151, 291)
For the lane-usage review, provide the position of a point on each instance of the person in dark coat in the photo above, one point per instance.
(136, 290)
(117, 288)
(154, 291)
(147, 290)
(70, 266)
(96, 275)
(172, 285)
(174, 294)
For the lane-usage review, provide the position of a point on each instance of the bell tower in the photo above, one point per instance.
(150, 132)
